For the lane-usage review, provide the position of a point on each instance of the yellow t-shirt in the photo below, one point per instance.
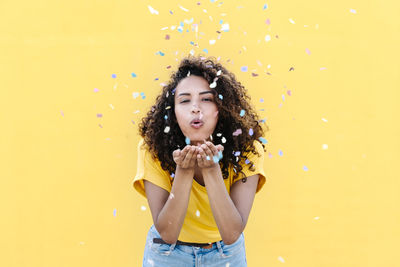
(199, 225)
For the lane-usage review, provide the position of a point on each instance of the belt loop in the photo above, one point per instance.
(172, 247)
(219, 247)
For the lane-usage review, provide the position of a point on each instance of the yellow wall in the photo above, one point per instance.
(66, 174)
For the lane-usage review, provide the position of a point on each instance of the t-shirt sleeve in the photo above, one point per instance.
(150, 170)
(258, 166)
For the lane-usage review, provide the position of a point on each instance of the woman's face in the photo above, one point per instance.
(195, 108)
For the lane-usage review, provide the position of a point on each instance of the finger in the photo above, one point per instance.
(212, 148)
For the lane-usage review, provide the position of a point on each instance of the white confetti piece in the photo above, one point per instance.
(164, 28)
(171, 196)
(316, 218)
(152, 10)
(213, 85)
(111, 106)
(281, 259)
(291, 21)
(267, 38)
(197, 213)
(325, 120)
(184, 9)
(353, 11)
(212, 42)
(219, 72)
(324, 146)
(143, 207)
(166, 130)
(225, 27)
(223, 140)
(135, 95)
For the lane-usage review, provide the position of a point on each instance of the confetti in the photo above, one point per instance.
(263, 140)
(280, 153)
(305, 168)
(281, 259)
(133, 74)
(308, 51)
(208, 157)
(265, 7)
(324, 146)
(268, 22)
(291, 21)
(225, 27)
(267, 38)
(237, 132)
(237, 153)
(215, 159)
(166, 117)
(223, 140)
(289, 92)
(197, 213)
(244, 68)
(143, 207)
(184, 9)
(212, 42)
(171, 196)
(213, 85)
(242, 112)
(325, 120)
(96, 90)
(152, 10)
(219, 134)
(167, 37)
(166, 130)
(353, 11)
(114, 212)
(114, 76)
(247, 161)
(135, 95)
(111, 106)
(261, 100)
(220, 96)
(251, 132)
(219, 72)
(99, 115)
(187, 140)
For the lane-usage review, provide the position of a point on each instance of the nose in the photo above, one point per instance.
(195, 109)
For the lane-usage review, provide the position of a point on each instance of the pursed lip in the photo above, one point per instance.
(196, 120)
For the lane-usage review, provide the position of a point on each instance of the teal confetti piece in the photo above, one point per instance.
(220, 155)
(187, 140)
(220, 96)
(244, 68)
(165, 117)
(205, 50)
(215, 159)
(242, 112)
(265, 7)
(133, 75)
(263, 140)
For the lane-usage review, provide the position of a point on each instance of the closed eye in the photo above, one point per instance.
(208, 99)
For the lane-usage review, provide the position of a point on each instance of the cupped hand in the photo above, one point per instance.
(209, 155)
(185, 158)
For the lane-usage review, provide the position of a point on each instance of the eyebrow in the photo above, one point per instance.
(201, 93)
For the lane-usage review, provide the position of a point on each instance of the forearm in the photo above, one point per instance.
(170, 219)
(226, 215)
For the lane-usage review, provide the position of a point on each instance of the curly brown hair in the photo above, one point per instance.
(232, 101)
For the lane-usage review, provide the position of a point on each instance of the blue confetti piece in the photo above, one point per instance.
(156, 79)
(215, 159)
(220, 22)
(173, 175)
(142, 93)
(283, 97)
(220, 96)
(133, 74)
(305, 168)
(165, 117)
(265, 7)
(173, 91)
(251, 132)
(242, 112)
(114, 76)
(261, 100)
(263, 140)
(143, 96)
(191, 42)
(160, 53)
(237, 153)
(244, 68)
(171, 12)
(280, 153)
(187, 30)
(115, 212)
(212, 1)
(182, 24)
(187, 140)
(205, 50)
(247, 161)
(180, 30)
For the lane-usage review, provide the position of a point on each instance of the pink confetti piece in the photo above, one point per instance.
(268, 22)
(308, 51)
(99, 115)
(62, 113)
(237, 132)
(96, 90)
(289, 92)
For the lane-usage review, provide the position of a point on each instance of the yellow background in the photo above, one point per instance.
(332, 191)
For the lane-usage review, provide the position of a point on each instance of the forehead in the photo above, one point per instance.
(192, 84)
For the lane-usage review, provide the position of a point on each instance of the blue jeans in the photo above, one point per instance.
(171, 255)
